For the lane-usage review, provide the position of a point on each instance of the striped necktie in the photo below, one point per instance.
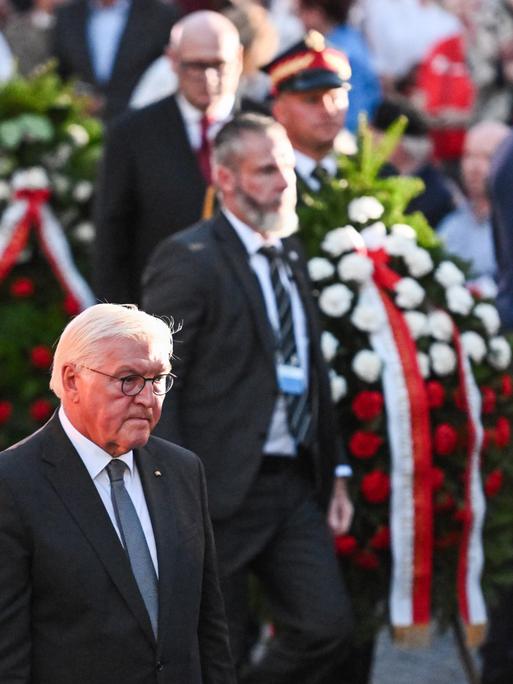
(298, 407)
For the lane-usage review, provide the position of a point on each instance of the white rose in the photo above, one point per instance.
(340, 240)
(335, 300)
(367, 318)
(499, 355)
(459, 299)
(338, 386)
(440, 326)
(423, 363)
(61, 184)
(367, 365)
(443, 358)
(474, 345)
(409, 293)
(489, 317)
(320, 268)
(5, 191)
(417, 323)
(364, 209)
(329, 346)
(374, 235)
(355, 267)
(448, 274)
(78, 134)
(397, 245)
(404, 230)
(84, 232)
(83, 191)
(30, 179)
(419, 262)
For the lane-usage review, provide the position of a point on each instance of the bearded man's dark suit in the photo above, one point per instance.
(143, 40)
(150, 186)
(226, 389)
(70, 610)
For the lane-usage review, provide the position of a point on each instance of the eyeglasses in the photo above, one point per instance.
(132, 385)
(199, 68)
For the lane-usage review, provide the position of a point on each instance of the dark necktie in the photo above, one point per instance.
(320, 174)
(204, 149)
(298, 409)
(134, 541)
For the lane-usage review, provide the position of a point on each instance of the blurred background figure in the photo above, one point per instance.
(332, 19)
(413, 157)
(467, 231)
(30, 34)
(108, 44)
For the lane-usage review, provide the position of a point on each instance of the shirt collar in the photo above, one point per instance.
(305, 165)
(250, 238)
(95, 459)
(192, 115)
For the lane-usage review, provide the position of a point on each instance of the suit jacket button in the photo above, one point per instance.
(159, 666)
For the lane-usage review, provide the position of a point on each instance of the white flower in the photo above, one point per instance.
(489, 317)
(404, 230)
(423, 363)
(320, 268)
(338, 386)
(459, 299)
(34, 178)
(355, 267)
(474, 345)
(443, 358)
(374, 235)
(335, 300)
(62, 154)
(448, 274)
(440, 326)
(5, 191)
(329, 346)
(364, 209)
(367, 365)
(398, 245)
(409, 293)
(340, 240)
(417, 323)
(499, 355)
(60, 183)
(367, 318)
(419, 262)
(84, 232)
(83, 191)
(78, 134)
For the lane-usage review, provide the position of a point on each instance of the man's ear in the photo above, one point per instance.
(224, 179)
(69, 378)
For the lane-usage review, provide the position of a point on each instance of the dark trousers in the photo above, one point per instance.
(498, 649)
(281, 536)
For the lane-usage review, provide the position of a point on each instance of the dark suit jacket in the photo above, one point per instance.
(150, 186)
(70, 610)
(143, 40)
(226, 384)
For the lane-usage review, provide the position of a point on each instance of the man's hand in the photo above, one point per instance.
(340, 511)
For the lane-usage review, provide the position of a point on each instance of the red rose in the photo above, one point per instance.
(489, 400)
(444, 503)
(435, 394)
(5, 411)
(364, 444)
(380, 540)
(437, 478)
(71, 306)
(367, 405)
(41, 357)
(447, 540)
(375, 487)
(488, 438)
(445, 439)
(40, 410)
(493, 482)
(367, 560)
(22, 287)
(502, 432)
(345, 544)
(506, 386)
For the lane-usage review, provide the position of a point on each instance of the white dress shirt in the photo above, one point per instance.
(95, 460)
(105, 27)
(192, 118)
(279, 440)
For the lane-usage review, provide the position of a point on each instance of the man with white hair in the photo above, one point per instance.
(108, 569)
(156, 170)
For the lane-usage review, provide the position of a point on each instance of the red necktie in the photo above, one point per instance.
(203, 152)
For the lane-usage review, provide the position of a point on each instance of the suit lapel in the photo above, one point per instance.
(66, 472)
(79, 19)
(237, 256)
(131, 38)
(157, 484)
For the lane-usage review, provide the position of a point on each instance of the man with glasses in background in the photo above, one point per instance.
(156, 168)
(108, 569)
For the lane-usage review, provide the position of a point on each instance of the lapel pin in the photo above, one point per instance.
(293, 255)
(157, 473)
